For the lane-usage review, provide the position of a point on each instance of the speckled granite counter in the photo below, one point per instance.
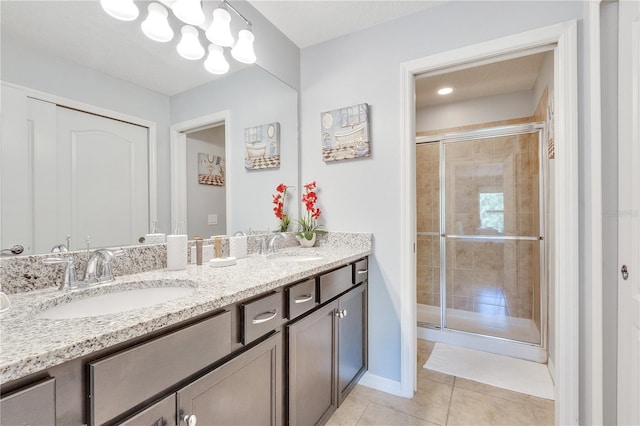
(30, 344)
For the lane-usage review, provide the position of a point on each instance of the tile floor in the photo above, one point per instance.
(443, 400)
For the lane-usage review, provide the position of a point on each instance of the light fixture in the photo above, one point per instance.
(188, 11)
(124, 10)
(243, 50)
(216, 62)
(445, 91)
(220, 30)
(156, 26)
(189, 46)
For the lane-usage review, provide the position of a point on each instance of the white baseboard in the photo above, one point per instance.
(382, 384)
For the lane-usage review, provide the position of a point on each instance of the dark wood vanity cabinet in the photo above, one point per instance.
(31, 405)
(327, 349)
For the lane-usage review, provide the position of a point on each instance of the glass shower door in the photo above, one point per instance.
(490, 236)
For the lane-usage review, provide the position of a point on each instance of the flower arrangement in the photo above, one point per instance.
(278, 209)
(309, 221)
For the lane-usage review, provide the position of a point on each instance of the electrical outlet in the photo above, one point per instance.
(207, 254)
(212, 219)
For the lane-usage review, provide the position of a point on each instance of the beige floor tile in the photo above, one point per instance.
(430, 402)
(436, 376)
(503, 393)
(349, 412)
(376, 414)
(473, 408)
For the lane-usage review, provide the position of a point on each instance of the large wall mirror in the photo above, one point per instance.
(63, 59)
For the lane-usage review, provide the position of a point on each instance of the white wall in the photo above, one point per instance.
(252, 97)
(363, 195)
(474, 111)
(203, 200)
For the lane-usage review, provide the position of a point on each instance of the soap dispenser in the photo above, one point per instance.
(176, 250)
(154, 237)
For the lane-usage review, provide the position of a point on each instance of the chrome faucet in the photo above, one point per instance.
(103, 258)
(69, 279)
(272, 242)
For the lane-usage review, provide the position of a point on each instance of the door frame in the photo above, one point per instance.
(564, 37)
(178, 149)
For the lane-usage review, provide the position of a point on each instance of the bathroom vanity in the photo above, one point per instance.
(271, 340)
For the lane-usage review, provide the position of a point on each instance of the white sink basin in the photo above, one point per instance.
(298, 258)
(113, 303)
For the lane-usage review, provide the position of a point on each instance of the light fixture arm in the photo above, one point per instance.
(226, 4)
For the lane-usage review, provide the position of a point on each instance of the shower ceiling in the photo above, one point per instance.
(513, 75)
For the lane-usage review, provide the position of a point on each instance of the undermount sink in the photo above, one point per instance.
(113, 303)
(298, 258)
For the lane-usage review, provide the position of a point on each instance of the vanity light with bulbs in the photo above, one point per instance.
(157, 27)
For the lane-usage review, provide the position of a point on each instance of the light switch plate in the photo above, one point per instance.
(212, 219)
(207, 254)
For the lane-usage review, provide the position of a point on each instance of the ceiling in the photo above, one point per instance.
(310, 22)
(497, 78)
(81, 32)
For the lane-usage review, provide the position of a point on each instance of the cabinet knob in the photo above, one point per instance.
(190, 420)
(341, 314)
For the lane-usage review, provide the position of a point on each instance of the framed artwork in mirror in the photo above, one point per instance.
(262, 146)
(210, 169)
(345, 133)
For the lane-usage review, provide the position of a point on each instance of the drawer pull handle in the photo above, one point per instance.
(362, 271)
(304, 298)
(341, 314)
(190, 420)
(265, 316)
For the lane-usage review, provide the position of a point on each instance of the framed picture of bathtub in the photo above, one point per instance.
(345, 133)
(210, 169)
(262, 145)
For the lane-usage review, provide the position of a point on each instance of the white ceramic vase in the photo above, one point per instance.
(307, 243)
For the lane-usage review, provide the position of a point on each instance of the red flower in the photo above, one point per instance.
(278, 209)
(281, 188)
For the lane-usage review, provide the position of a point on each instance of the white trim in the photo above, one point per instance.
(178, 150)
(564, 36)
(595, 212)
(381, 383)
(105, 112)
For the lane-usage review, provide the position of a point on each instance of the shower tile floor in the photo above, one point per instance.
(443, 400)
(485, 323)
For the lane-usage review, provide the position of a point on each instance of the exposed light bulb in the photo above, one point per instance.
(188, 11)
(156, 26)
(220, 30)
(216, 62)
(243, 50)
(189, 46)
(124, 10)
(445, 91)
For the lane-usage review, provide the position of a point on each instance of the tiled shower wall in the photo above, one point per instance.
(494, 277)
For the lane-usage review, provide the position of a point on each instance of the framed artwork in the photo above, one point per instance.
(262, 146)
(210, 169)
(345, 133)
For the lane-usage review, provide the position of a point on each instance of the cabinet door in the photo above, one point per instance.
(244, 391)
(352, 337)
(312, 367)
(34, 405)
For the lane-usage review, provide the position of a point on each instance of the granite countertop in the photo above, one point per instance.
(31, 344)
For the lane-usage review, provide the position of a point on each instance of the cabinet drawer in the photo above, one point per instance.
(334, 283)
(162, 413)
(34, 405)
(360, 271)
(121, 381)
(260, 316)
(301, 298)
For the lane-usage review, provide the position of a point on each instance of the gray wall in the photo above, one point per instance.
(364, 195)
(253, 97)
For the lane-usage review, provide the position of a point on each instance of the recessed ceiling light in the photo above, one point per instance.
(445, 91)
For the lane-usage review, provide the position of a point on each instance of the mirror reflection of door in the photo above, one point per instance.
(74, 161)
(206, 186)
